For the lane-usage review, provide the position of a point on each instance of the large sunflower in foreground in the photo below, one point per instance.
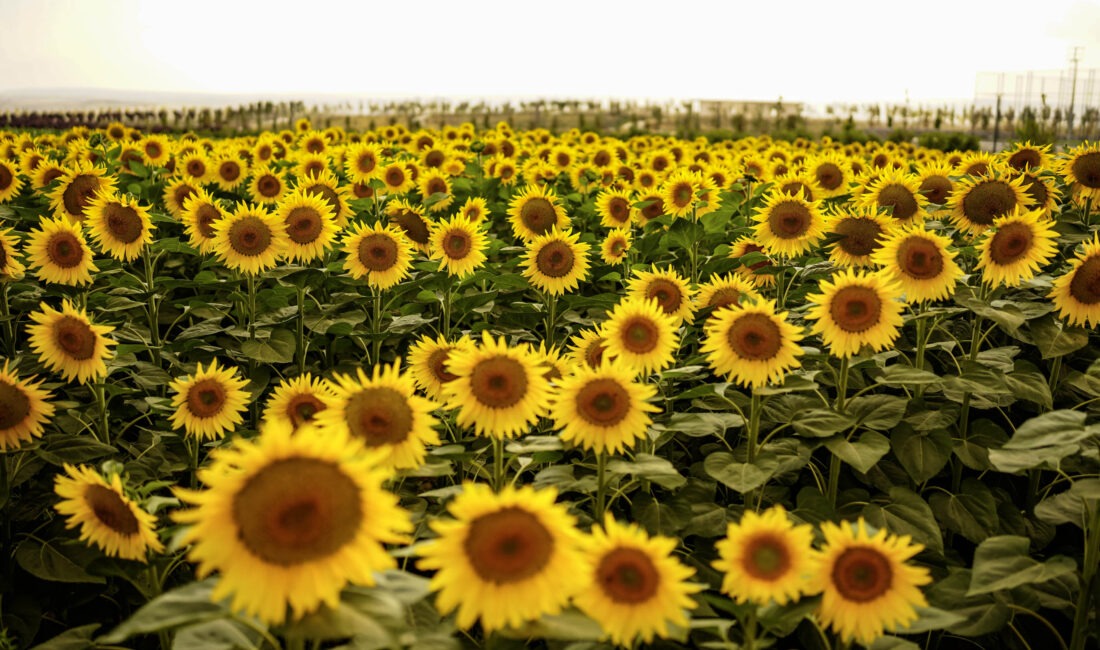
(410, 219)
(106, 516)
(119, 225)
(498, 389)
(298, 400)
(384, 413)
(379, 253)
(67, 342)
(428, 360)
(603, 408)
(535, 211)
(638, 587)
(641, 336)
(751, 344)
(867, 586)
(978, 201)
(1077, 293)
(76, 189)
(556, 262)
(10, 266)
(310, 225)
(504, 559)
(765, 558)
(1016, 248)
(58, 252)
(290, 519)
(459, 245)
(921, 261)
(856, 309)
(615, 208)
(210, 402)
(671, 291)
(250, 239)
(24, 408)
(1082, 169)
(898, 193)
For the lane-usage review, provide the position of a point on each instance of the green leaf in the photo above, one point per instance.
(703, 424)
(901, 376)
(862, 454)
(185, 605)
(278, 348)
(1056, 339)
(906, 513)
(932, 618)
(57, 560)
(570, 625)
(216, 635)
(652, 468)
(1043, 441)
(878, 412)
(60, 448)
(1032, 386)
(738, 476)
(1003, 563)
(921, 453)
(984, 613)
(1072, 506)
(338, 622)
(972, 513)
(77, 638)
(888, 642)
(820, 422)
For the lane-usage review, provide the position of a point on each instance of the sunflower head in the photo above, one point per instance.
(381, 254)
(751, 344)
(24, 409)
(250, 239)
(119, 225)
(107, 517)
(210, 402)
(68, 342)
(977, 201)
(1077, 293)
(58, 253)
(556, 262)
(921, 261)
(77, 188)
(856, 309)
(616, 245)
(428, 363)
(603, 408)
(310, 225)
(459, 245)
(856, 236)
(1017, 246)
(298, 400)
(200, 212)
(897, 193)
(766, 558)
(788, 224)
(536, 211)
(671, 291)
(641, 335)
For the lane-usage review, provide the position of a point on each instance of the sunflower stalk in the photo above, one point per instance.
(601, 485)
(964, 416)
(9, 326)
(498, 464)
(193, 445)
(750, 630)
(302, 343)
(448, 290)
(376, 327)
(834, 460)
(551, 317)
(152, 306)
(100, 391)
(922, 341)
(1090, 563)
(754, 426)
(251, 282)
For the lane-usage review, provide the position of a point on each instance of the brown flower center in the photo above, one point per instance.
(378, 252)
(859, 237)
(555, 259)
(153, 150)
(296, 510)
(269, 186)
(249, 236)
(196, 168)
(304, 225)
(655, 208)
(538, 215)
(435, 158)
(380, 416)
(499, 382)
(603, 402)
(828, 175)
(303, 407)
(861, 574)
(507, 546)
(64, 250)
(394, 177)
(724, 297)
(593, 354)
(988, 200)
(1010, 243)
(856, 309)
(1085, 285)
(640, 335)
(51, 175)
(754, 337)
(1036, 190)
(79, 194)
(111, 510)
(327, 193)
(766, 557)
(437, 364)
(977, 169)
(362, 190)
(667, 294)
(416, 229)
(75, 337)
(789, 220)
(182, 193)
(15, 406)
(920, 258)
(457, 244)
(627, 575)
(123, 222)
(6, 177)
(619, 209)
(794, 188)
(936, 188)
(900, 200)
(229, 171)
(205, 217)
(206, 398)
(1024, 158)
(1086, 169)
(681, 194)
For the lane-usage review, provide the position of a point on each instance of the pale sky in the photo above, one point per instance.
(814, 51)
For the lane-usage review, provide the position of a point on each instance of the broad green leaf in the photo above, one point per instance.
(863, 454)
(703, 424)
(216, 635)
(972, 513)
(984, 613)
(77, 638)
(1032, 386)
(1072, 506)
(1056, 339)
(740, 476)
(878, 412)
(932, 618)
(888, 642)
(278, 348)
(906, 513)
(570, 625)
(60, 448)
(57, 560)
(921, 453)
(1043, 441)
(1003, 563)
(651, 468)
(185, 605)
(820, 422)
(901, 376)
(338, 622)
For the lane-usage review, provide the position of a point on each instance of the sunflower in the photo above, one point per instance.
(156, 150)
(383, 413)
(550, 362)
(556, 262)
(766, 559)
(380, 253)
(428, 359)
(680, 192)
(200, 212)
(326, 186)
(77, 188)
(195, 167)
(898, 192)
(743, 247)
(10, 183)
(1040, 188)
(752, 345)
(602, 408)
(788, 224)
(10, 266)
(978, 201)
(229, 171)
(310, 225)
(267, 185)
(1076, 294)
(209, 402)
(46, 173)
(1017, 246)
(397, 179)
(922, 262)
(1026, 156)
(535, 211)
(668, 288)
(411, 220)
(977, 163)
(652, 206)
(432, 183)
(641, 335)
(176, 193)
(459, 245)
(363, 162)
(498, 389)
(615, 208)
(588, 348)
(290, 518)
(298, 400)
(1082, 169)
(504, 558)
(106, 516)
(935, 182)
(856, 309)
(250, 239)
(475, 209)
(615, 246)
(867, 586)
(66, 341)
(119, 226)
(799, 184)
(831, 174)
(721, 292)
(856, 236)
(23, 409)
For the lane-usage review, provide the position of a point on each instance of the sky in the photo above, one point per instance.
(813, 51)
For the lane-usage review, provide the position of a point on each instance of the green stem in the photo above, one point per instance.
(601, 485)
(376, 327)
(498, 464)
(964, 416)
(100, 391)
(1055, 375)
(152, 306)
(9, 326)
(750, 630)
(302, 343)
(551, 318)
(1090, 562)
(833, 485)
(193, 446)
(251, 282)
(447, 298)
(754, 426)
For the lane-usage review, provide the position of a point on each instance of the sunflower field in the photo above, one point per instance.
(499, 388)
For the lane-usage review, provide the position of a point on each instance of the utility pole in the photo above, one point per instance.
(1075, 58)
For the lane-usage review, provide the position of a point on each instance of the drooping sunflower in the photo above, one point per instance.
(788, 224)
(290, 518)
(475, 209)
(535, 211)
(250, 239)
(556, 261)
(721, 292)
(267, 185)
(200, 212)
(977, 163)
(10, 266)
(119, 225)
(641, 335)
(76, 189)
(671, 291)
(10, 183)
(46, 173)
(616, 245)
(382, 254)
(921, 261)
(1082, 169)
(1016, 248)
(856, 309)
(744, 246)
(431, 183)
(24, 408)
(329, 188)
(615, 207)
(176, 193)
(587, 347)
(68, 342)
(459, 245)
(978, 200)
(638, 587)
(1026, 156)
(935, 182)
(498, 389)
(107, 517)
(410, 218)
(58, 252)
(856, 236)
(504, 558)
(1041, 189)
(428, 359)
(752, 345)
(602, 408)
(209, 402)
(363, 162)
(867, 586)
(384, 413)
(765, 558)
(298, 400)
(1077, 293)
(310, 225)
